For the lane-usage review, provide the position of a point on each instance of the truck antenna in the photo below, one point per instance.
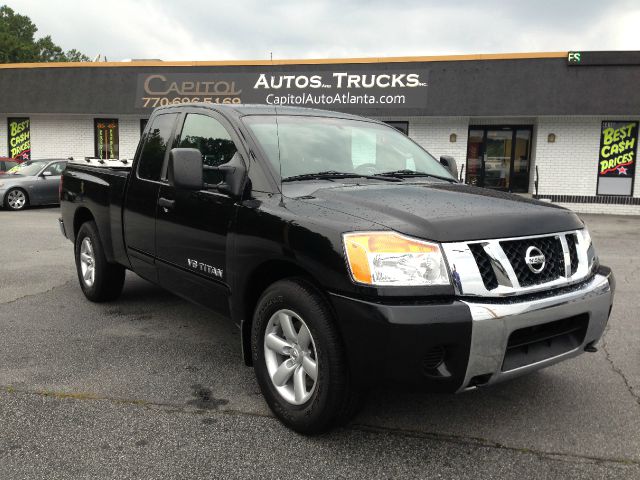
(275, 108)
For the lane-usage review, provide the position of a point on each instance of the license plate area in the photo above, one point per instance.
(536, 343)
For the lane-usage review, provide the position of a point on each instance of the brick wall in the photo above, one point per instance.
(568, 166)
(72, 136)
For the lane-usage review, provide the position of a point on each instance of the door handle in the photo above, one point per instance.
(166, 204)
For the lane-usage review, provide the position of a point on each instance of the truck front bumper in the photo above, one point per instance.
(467, 343)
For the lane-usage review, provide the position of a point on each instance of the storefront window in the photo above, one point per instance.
(106, 138)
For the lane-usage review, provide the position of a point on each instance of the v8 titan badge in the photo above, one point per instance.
(203, 267)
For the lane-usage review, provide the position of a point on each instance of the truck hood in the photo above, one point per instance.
(445, 212)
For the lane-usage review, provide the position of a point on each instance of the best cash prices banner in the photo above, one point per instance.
(19, 138)
(617, 157)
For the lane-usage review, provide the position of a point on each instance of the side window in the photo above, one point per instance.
(155, 147)
(55, 169)
(210, 137)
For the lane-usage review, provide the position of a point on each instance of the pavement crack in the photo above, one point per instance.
(433, 436)
(28, 295)
(617, 369)
(481, 442)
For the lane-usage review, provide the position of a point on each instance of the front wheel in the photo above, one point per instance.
(100, 280)
(16, 199)
(299, 359)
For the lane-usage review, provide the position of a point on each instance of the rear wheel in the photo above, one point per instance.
(16, 199)
(299, 359)
(100, 280)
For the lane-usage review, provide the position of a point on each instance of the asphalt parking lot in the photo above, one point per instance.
(151, 386)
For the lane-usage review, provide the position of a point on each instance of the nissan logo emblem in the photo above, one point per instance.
(535, 259)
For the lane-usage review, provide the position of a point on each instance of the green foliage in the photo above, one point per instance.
(18, 43)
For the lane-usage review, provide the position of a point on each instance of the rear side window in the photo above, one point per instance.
(210, 137)
(155, 147)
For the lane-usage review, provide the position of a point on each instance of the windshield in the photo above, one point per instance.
(30, 167)
(316, 144)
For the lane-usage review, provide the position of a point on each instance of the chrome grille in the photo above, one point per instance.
(484, 265)
(515, 250)
(573, 252)
(497, 267)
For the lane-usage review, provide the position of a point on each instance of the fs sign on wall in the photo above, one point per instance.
(618, 157)
(386, 91)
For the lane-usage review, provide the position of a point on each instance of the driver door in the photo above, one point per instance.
(192, 226)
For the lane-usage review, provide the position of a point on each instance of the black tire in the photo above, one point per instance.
(108, 278)
(13, 206)
(334, 399)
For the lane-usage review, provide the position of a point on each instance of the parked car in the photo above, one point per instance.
(7, 164)
(34, 182)
(348, 256)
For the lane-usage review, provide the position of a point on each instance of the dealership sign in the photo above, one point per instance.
(19, 138)
(617, 158)
(343, 90)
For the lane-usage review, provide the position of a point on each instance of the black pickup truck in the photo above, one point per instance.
(347, 255)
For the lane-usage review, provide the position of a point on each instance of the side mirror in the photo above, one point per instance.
(46, 174)
(234, 172)
(185, 169)
(449, 163)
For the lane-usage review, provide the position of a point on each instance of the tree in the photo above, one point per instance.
(18, 43)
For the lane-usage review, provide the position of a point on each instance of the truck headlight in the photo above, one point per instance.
(391, 259)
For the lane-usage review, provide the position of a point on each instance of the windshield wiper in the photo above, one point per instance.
(331, 174)
(411, 173)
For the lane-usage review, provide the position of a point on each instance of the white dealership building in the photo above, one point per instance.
(561, 126)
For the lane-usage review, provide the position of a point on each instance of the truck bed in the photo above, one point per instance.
(101, 189)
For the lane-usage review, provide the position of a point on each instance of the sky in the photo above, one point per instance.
(256, 29)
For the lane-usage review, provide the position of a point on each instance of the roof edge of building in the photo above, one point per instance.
(305, 61)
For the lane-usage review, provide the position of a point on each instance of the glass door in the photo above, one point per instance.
(499, 157)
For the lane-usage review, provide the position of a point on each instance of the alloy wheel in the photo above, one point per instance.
(16, 199)
(290, 356)
(87, 262)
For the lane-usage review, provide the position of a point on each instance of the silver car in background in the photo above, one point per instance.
(34, 182)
